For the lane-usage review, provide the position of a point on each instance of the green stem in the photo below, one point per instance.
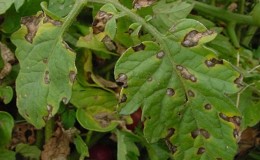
(241, 6)
(222, 14)
(39, 138)
(154, 32)
(232, 34)
(79, 4)
(49, 128)
(249, 35)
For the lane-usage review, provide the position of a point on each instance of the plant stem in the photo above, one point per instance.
(49, 127)
(232, 34)
(157, 35)
(249, 35)
(79, 4)
(222, 14)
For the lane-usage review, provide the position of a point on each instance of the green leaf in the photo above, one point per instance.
(96, 108)
(182, 88)
(167, 13)
(7, 154)
(94, 42)
(81, 147)
(68, 118)
(28, 151)
(5, 5)
(18, 4)
(60, 8)
(47, 68)
(6, 94)
(127, 149)
(6, 126)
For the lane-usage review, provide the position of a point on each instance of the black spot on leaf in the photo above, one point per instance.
(201, 150)
(160, 55)
(139, 47)
(223, 116)
(201, 132)
(212, 62)
(186, 74)
(193, 37)
(170, 92)
(195, 133)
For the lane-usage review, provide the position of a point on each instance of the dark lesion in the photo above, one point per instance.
(104, 118)
(139, 47)
(193, 37)
(212, 62)
(169, 144)
(186, 74)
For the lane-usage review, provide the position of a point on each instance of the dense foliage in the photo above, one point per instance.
(142, 79)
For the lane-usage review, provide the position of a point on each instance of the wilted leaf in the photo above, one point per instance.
(127, 149)
(6, 126)
(47, 68)
(96, 108)
(182, 87)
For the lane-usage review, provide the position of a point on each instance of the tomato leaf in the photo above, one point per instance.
(6, 126)
(96, 108)
(127, 149)
(182, 88)
(47, 68)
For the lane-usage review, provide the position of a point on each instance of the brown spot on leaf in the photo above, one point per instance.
(191, 93)
(193, 37)
(236, 133)
(170, 146)
(223, 116)
(45, 60)
(123, 98)
(46, 77)
(170, 133)
(201, 150)
(212, 62)
(208, 106)
(238, 81)
(49, 110)
(139, 47)
(122, 80)
(31, 23)
(8, 58)
(104, 118)
(149, 79)
(109, 43)
(47, 19)
(160, 55)
(186, 74)
(170, 92)
(65, 100)
(204, 133)
(100, 21)
(142, 3)
(72, 76)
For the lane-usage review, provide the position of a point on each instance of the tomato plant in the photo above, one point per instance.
(151, 79)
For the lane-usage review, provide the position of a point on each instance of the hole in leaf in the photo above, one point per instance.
(122, 80)
(170, 92)
(208, 106)
(139, 47)
(201, 150)
(160, 55)
(212, 62)
(123, 98)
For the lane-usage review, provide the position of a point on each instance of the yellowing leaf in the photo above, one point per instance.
(47, 68)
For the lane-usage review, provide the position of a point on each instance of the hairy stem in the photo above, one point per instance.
(222, 14)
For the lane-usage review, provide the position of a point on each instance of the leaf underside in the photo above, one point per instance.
(47, 68)
(182, 90)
